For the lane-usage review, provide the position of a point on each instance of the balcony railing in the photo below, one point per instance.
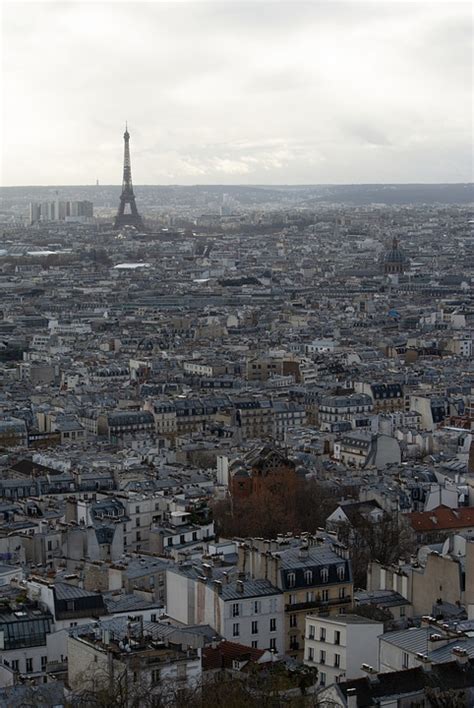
(322, 604)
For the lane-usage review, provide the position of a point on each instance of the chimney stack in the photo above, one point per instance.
(303, 552)
(425, 661)
(461, 656)
(207, 570)
(372, 673)
(351, 698)
(240, 585)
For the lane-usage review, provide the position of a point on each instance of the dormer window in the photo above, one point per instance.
(341, 572)
(308, 577)
(324, 575)
(290, 578)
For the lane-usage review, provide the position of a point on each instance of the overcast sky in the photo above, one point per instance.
(237, 92)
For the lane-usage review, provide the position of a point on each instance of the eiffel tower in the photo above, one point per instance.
(132, 217)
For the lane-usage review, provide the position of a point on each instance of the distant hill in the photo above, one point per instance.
(248, 195)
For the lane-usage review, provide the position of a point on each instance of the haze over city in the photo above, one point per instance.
(237, 92)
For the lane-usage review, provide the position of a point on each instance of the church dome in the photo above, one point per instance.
(395, 260)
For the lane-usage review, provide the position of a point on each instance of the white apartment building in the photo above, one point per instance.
(338, 646)
(248, 612)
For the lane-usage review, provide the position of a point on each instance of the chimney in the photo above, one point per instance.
(372, 673)
(425, 661)
(207, 570)
(426, 621)
(460, 656)
(351, 698)
(240, 585)
(218, 586)
(303, 552)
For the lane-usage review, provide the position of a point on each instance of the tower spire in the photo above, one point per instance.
(131, 218)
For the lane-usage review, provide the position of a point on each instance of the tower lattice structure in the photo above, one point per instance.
(132, 217)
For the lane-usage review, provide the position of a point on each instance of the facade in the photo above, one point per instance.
(311, 578)
(141, 662)
(261, 466)
(248, 612)
(338, 646)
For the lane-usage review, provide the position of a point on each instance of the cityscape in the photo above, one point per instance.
(236, 439)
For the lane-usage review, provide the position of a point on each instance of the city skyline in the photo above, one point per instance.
(237, 93)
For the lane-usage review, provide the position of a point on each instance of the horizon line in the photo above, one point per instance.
(243, 184)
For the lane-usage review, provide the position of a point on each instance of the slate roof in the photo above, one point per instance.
(64, 591)
(398, 683)
(381, 598)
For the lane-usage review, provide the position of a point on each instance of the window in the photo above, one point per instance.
(311, 654)
(254, 627)
(273, 605)
(322, 657)
(235, 609)
(402, 611)
(182, 538)
(341, 572)
(293, 621)
(153, 618)
(44, 661)
(235, 630)
(195, 536)
(308, 577)
(322, 634)
(291, 579)
(325, 595)
(139, 536)
(324, 575)
(322, 678)
(292, 599)
(405, 660)
(15, 665)
(311, 631)
(254, 643)
(337, 637)
(337, 660)
(169, 541)
(342, 593)
(155, 675)
(273, 644)
(310, 596)
(29, 666)
(257, 606)
(137, 521)
(273, 624)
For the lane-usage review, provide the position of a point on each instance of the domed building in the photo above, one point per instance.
(395, 261)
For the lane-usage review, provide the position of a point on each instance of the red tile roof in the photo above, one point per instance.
(442, 519)
(224, 654)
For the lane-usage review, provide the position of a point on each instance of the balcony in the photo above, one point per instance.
(319, 604)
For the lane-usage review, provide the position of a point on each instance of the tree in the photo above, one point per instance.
(446, 699)
(385, 540)
(282, 504)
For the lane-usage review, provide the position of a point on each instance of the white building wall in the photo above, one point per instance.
(338, 648)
